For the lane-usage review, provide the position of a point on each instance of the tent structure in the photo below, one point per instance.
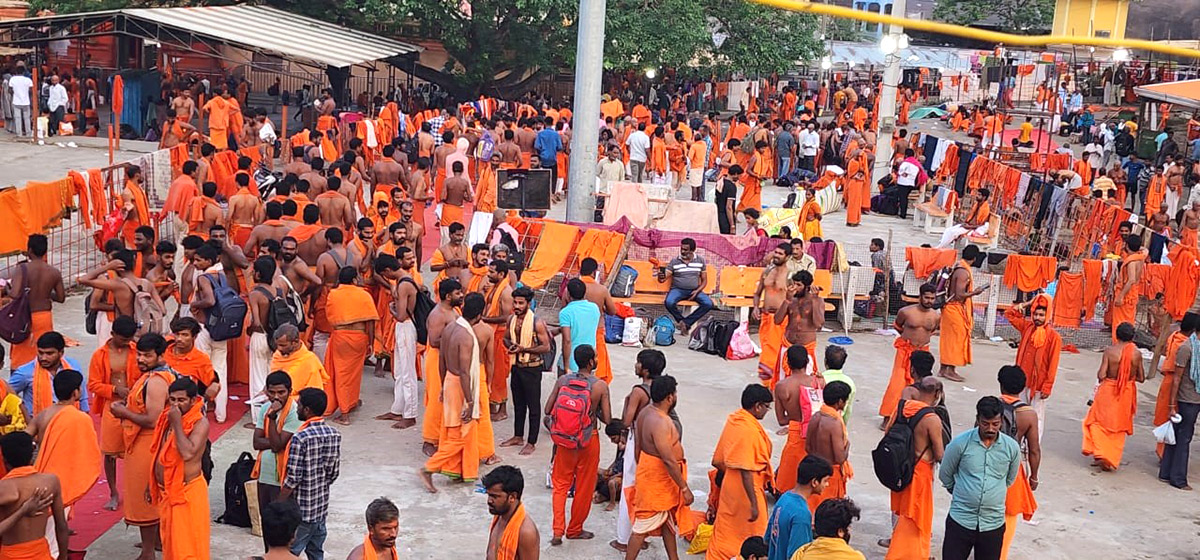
(1185, 93)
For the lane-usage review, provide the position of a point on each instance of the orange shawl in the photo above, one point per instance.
(506, 549)
(166, 453)
(43, 388)
(70, 450)
(303, 367)
(348, 304)
(305, 232)
(140, 205)
(368, 551)
(281, 459)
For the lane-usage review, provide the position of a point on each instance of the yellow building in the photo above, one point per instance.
(1091, 18)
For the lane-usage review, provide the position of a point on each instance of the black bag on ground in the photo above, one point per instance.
(237, 506)
(719, 334)
(895, 457)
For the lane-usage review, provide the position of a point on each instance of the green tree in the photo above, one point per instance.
(1025, 17)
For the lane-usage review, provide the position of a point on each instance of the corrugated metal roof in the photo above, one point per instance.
(278, 32)
(866, 54)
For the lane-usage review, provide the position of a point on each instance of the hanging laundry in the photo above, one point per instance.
(1029, 273)
(1068, 299)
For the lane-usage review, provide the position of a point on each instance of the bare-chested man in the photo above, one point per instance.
(804, 312)
(450, 296)
(125, 287)
(297, 166)
(24, 494)
(273, 228)
(175, 132)
(336, 210)
(45, 285)
(298, 274)
(143, 246)
(450, 259)
(648, 367)
(525, 137)
(797, 398)
(486, 347)
(916, 324)
(769, 295)
(329, 264)
(204, 164)
(1127, 287)
(499, 310)
(351, 186)
(827, 438)
(425, 141)
(180, 487)
(461, 380)
(315, 177)
(245, 210)
(162, 276)
(913, 506)
(310, 237)
(205, 211)
(404, 291)
(1160, 220)
(1189, 227)
(1026, 432)
(513, 534)
(232, 258)
(387, 173)
(661, 485)
(510, 152)
(362, 246)
(184, 107)
(1111, 413)
(414, 231)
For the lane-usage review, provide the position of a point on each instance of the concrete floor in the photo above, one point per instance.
(25, 161)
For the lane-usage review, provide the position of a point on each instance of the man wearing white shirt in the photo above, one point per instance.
(639, 146)
(57, 105)
(21, 88)
(809, 141)
(907, 175)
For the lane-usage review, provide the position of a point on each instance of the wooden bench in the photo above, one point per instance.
(925, 213)
(738, 284)
(992, 239)
(648, 290)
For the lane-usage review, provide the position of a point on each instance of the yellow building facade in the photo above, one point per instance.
(1091, 18)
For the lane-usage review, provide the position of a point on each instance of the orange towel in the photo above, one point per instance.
(182, 505)
(506, 549)
(655, 492)
(745, 446)
(554, 246)
(770, 337)
(36, 549)
(304, 368)
(1069, 299)
(431, 424)
(1154, 279)
(913, 508)
(1092, 285)
(958, 320)
(927, 260)
(795, 449)
(69, 450)
(1029, 272)
(1110, 418)
(1182, 279)
(601, 245)
(25, 352)
(901, 376)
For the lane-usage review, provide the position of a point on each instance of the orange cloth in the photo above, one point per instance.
(1155, 194)
(794, 451)
(281, 458)
(744, 446)
(1039, 349)
(927, 260)
(1162, 404)
(36, 549)
(655, 491)
(179, 196)
(752, 193)
(1154, 279)
(100, 389)
(842, 473)
(506, 548)
(431, 424)
(913, 508)
(1069, 300)
(303, 367)
(854, 187)
(1030, 272)
(25, 352)
(1092, 284)
(194, 364)
(860, 118)
(958, 320)
(43, 389)
(305, 232)
(810, 222)
(347, 349)
(485, 191)
(1110, 417)
(502, 360)
(578, 467)
(1125, 311)
(182, 505)
(901, 375)
(770, 337)
(138, 466)
(458, 451)
(141, 214)
(195, 216)
(1189, 237)
(1183, 279)
(70, 451)
(80, 189)
(554, 246)
(601, 245)
(475, 283)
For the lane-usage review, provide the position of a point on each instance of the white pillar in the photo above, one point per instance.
(585, 124)
(887, 101)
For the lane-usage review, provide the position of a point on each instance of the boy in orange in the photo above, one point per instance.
(352, 315)
(1110, 418)
(113, 367)
(180, 436)
(743, 451)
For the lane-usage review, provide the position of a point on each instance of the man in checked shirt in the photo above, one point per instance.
(313, 459)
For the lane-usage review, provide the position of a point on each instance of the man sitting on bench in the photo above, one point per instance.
(688, 281)
(976, 223)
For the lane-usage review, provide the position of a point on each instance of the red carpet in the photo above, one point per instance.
(89, 519)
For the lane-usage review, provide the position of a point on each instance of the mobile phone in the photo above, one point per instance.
(985, 287)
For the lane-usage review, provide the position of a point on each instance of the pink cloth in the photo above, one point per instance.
(460, 154)
(690, 216)
(628, 200)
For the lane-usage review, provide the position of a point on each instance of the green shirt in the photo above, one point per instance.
(268, 472)
(978, 478)
(831, 375)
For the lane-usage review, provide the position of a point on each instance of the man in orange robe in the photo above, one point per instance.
(913, 506)
(768, 296)
(352, 314)
(958, 317)
(916, 325)
(180, 436)
(139, 415)
(458, 448)
(658, 497)
(294, 358)
(577, 466)
(499, 311)
(797, 398)
(1110, 418)
(218, 109)
(135, 205)
(112, 369)
(1038, 351)
(1128, 287)
(758, 169)
(857, 181)
(1162, 404)
(743, 454)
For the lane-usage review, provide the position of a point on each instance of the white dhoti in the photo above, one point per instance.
(628, 478)
(404, 371)
(956, 231)
(260, 366)
(103, 327)
(696, 177)
(1172, 200)
(218, 352)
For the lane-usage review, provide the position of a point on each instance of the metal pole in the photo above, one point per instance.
(589, 64)
(886, 118)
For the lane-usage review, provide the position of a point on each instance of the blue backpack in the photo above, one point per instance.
(227, 317)
(664, 331)
(614, 328)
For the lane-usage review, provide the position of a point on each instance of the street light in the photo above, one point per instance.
(826, 62)
(888, 44)
(650, 73)
(1121, 54)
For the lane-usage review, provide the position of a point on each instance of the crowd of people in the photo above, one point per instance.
(303, 289)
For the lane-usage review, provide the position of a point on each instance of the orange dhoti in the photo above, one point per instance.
(36, 549)
(431, 425)
(751, 195)
(1019, 501)
(112, 438)
(439, 179)
(344, 361)
(603, 365)
(137, 470)
(836, 488)
(69, 451)
(452, 214)
(502, 366)
(419, 212)
(770, 337)
(458, 451)
(1124, 311)
(487, 436)
(240, 233)
(184, 528)
(1109, 421)
(219, 138)
(955, 344)
(578, 468)
(1188, 237)
(914, 510)
(657, 500)
(25, 352)
(742, 447)
(901, 376)
(789, 459)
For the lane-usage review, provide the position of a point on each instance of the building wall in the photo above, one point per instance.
(1093, 18)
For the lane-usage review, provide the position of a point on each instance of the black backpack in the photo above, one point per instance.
(1008, 417)
(279, 313)
(719, 335)
(237, 507)
(895, 457)
(227, 317)
(421, 310)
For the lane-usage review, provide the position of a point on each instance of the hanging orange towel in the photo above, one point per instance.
(1029, 272)
(80, 189)
(554, 246)
(222, 171)
(601, 245)
(1154, 279)
(1092, 284)
(927, 260)
(96, 193)
(1069, 299)
(1182, 280)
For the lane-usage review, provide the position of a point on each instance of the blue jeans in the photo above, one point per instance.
(310, 538)
(785, 165)
(1174, 464)
(677, 295)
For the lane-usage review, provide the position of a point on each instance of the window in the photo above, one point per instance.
(874, 8)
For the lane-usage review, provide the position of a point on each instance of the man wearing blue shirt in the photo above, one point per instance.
(978, 467)
(49, 361)
(547, 144)
(577, 322)
(791, 523)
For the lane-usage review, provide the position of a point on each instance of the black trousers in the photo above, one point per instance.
(1174, 464)
(267, 493)
(960, 541)
(526, 386)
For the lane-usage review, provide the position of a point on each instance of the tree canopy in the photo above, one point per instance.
(501, 47)
(1023, 17)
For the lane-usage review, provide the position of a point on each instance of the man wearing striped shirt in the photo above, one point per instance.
(688, 283)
